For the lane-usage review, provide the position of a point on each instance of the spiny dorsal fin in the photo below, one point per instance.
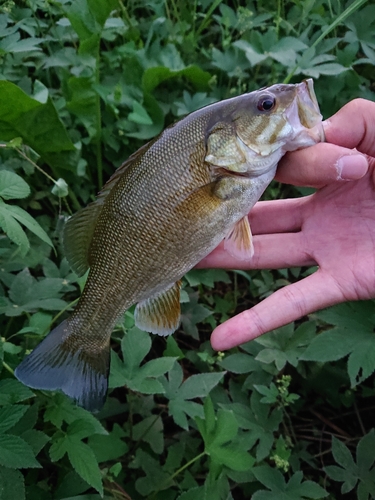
(79, 229)
(239, 241)
(113, 180)
(161, 313)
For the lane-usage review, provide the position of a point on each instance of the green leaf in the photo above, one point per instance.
(239, 363)
(12, 391)
(12, 485)
(13, 230)
(84, 463)
(331, 345)
(139, 115)
(365, 451)
(135, 345)
(36, 439)
(198, 386)
(16, 453)
(361, 362)
(10, 415)
(12, 186)
(28, 221)
(60, 188)
(342, 455)
(25, 117)
(110, 447)
(150, 430)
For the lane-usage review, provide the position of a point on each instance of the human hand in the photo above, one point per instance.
(334, 228)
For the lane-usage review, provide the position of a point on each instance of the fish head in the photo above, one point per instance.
(276, 119)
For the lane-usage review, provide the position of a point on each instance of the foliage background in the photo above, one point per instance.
(83, 84)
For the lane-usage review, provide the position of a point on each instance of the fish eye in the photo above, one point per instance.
(266, 103)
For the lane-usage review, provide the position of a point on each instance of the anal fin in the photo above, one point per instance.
(239, 241)
(161, 313)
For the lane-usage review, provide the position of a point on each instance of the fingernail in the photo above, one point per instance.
(351, 167)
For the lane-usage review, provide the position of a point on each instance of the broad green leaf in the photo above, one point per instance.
(155, 475)
(16, 453)
(84, 463)
(38, 124)
(150, 430)
(350, 315)
(12, 186)
(156, 367)
(36, 439)
(365, 451)
(198, 386)
(13, 229)
(10, 415)
(342, 455)
(58, 446)
(12, 484)
(135, 345)
(331, 345)
(233, 457)
(239, 363)
(361, 362)
(139, 115)
(12, 391)
(110, 447)
(61, 409)
(28, 221)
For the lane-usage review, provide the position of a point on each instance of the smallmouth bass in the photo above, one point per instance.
(166, 208)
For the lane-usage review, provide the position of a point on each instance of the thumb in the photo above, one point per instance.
(315, 292)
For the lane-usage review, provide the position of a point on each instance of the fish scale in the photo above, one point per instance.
(166, 208)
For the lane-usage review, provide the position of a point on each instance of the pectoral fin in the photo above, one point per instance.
(239, 241)
(161, 313)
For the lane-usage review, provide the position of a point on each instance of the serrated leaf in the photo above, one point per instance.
(36, 439)
(365, 451)
(361, 362)
(330, 345)
(342, 455)
(199, 385)
(150, 430)
(84, 463)
(12, 484)
(157, 367)
(239, 363)
(12, 186)
(12, 391)
(16, 453)
(232, 457)
(10, 415)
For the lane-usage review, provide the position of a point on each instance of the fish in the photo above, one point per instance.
(165, 209)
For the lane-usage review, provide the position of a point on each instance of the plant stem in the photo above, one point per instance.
(178, 471)
(350, 10)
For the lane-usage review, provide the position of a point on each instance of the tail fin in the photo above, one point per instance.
(55, 364)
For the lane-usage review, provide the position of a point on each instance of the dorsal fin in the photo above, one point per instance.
(79, 229)
(113, 180)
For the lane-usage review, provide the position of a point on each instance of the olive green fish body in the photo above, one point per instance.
(164, 210)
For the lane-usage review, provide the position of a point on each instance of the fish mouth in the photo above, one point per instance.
(308, 110)
(304, 117)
